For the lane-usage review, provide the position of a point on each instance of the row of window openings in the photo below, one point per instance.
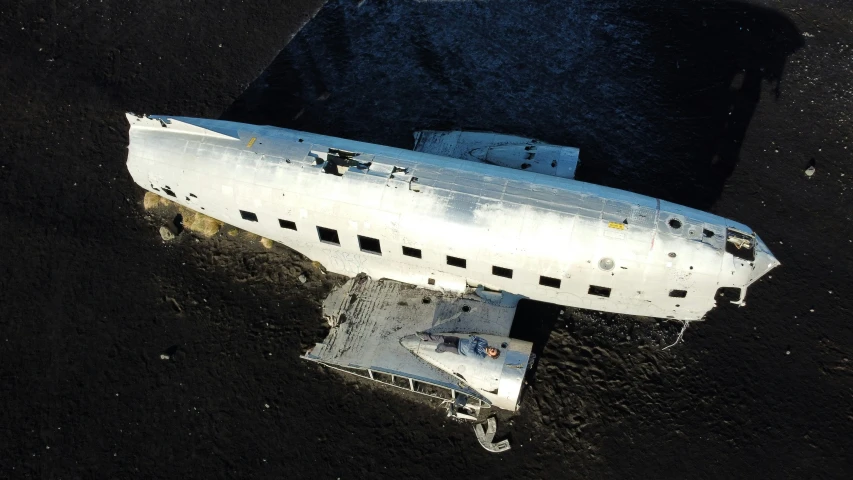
(372, 245)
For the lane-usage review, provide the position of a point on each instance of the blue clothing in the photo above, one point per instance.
(473, 346)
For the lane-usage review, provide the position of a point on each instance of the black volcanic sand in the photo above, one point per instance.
(716, 105)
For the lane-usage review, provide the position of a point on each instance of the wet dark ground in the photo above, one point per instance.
(716, 105)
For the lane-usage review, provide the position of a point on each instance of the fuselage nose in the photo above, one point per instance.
(764, 261)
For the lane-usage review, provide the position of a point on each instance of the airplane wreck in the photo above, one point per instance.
(466, 219)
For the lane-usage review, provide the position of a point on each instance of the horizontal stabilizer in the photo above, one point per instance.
(497, 149)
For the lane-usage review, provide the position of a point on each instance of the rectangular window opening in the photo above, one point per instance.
(740, 244)
(729, 293)
(401, 382)
(328, 235)
(369, 245)
(456, 262)
(678, 293)
(412, 252)
(549, 282)
(287, 224)
(248, 216)
(433, 391)
(502, 272)
(599, 291)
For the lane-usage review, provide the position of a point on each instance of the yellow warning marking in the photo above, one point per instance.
(617, 226)
(251, 142)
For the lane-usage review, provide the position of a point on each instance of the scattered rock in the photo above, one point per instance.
(163, 356)
(200, 223)
(266, 242)
(810, 171)
(319, 267)
(303, 278)
(186, 218)
(151, 200)
(166, 234)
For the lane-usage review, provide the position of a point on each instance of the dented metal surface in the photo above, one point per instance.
(539, 236)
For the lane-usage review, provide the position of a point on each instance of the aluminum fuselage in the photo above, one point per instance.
(547, 238)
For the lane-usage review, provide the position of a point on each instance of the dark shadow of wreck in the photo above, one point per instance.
(657, 96)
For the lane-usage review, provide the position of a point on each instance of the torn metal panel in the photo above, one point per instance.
(486, 438)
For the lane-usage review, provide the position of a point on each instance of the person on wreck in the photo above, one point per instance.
(473, 346)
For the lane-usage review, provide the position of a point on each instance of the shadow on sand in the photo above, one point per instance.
(657, 96)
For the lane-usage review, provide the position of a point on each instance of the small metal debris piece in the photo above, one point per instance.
(739, 242)
(458, 408)
(485, 437)
(166, 234)
(810, 171)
